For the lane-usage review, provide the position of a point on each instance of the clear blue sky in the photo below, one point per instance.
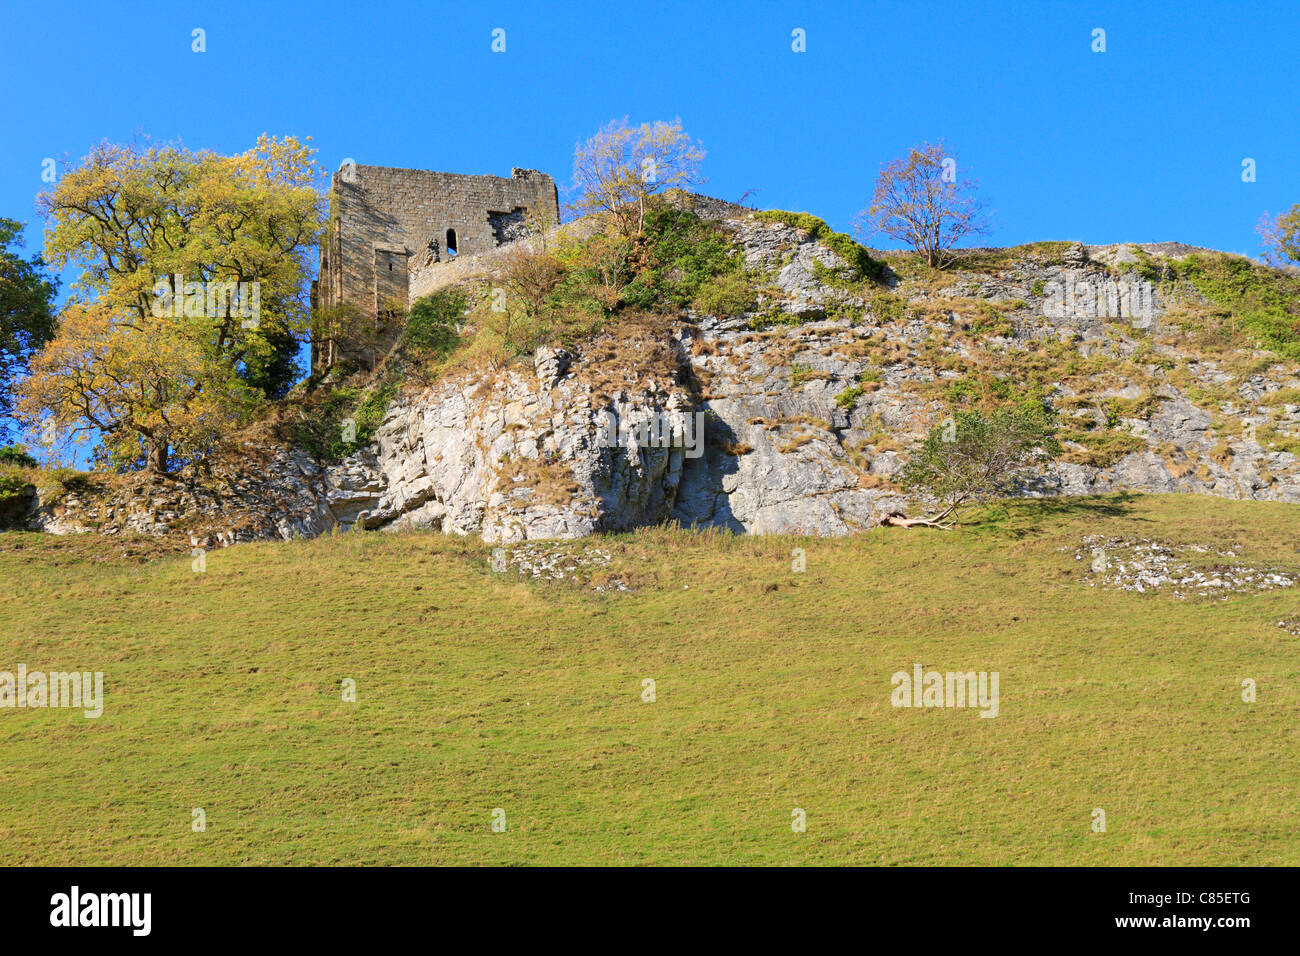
(1143, 142)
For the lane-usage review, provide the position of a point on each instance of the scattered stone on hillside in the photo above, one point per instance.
(547, 561)
(1147, 566)
(1290, 624)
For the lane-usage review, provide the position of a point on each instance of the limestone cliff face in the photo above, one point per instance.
(527, 457)
(785, 429)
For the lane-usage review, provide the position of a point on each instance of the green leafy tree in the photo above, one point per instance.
(26, 313)
(192, 298)
(975, 456)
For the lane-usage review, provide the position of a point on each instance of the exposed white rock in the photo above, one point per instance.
(522, 455)
(1143, 566)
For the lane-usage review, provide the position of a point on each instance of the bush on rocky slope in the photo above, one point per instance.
(1261, 301)
(843, 245)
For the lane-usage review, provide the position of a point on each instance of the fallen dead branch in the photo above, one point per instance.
(933, 521)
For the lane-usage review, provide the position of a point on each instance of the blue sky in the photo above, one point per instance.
(1143, 142)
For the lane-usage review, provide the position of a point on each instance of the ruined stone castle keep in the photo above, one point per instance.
(388, 225)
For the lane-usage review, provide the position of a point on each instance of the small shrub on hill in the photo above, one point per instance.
(339, 422)
(842, 244)
(976, 456)
(1263, 302)
(726, 294)
(849, 397)
(16, 455)
(433, 324)
(680, 253)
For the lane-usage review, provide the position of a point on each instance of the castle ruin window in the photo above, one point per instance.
(451, 242)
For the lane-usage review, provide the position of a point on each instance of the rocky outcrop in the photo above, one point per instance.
(792, 260)
(725, 421)
(523, 459)
(272, 493)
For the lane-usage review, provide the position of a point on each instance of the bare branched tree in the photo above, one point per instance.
(921, 200)
(621, 167)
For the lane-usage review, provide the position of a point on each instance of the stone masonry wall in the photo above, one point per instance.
(396, 221)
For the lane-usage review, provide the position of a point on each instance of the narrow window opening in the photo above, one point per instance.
(451, 242)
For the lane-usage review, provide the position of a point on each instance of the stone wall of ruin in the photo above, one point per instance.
(386, 224)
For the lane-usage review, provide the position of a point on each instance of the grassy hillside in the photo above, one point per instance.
(477, 690)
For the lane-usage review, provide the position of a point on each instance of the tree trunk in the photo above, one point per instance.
(156, 456)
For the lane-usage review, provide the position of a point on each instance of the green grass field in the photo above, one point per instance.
(476, 690)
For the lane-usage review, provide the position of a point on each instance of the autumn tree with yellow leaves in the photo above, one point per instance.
(1281, 236)
(192, 298)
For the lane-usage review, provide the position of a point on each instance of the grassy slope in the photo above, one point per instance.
(479, 692)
